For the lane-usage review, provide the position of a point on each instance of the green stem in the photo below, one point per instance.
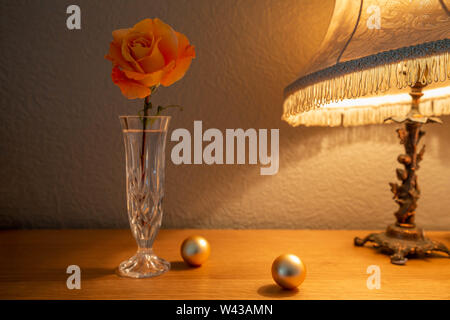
(147, 106)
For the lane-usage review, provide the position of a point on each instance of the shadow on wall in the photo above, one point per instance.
(328, 178)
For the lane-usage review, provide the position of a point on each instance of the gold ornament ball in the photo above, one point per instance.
(288, 271)
(195, 250)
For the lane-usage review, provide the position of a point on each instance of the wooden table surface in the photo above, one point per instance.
(33, 266)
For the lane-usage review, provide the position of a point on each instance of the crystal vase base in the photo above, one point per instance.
(144, 264)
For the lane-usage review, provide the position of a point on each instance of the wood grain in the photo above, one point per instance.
(33, 266)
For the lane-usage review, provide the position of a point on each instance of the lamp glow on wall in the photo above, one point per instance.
(382, 61)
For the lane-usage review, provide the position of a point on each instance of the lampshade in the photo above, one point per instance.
(372, 51)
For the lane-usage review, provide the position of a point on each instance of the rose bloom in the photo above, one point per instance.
(149, 54)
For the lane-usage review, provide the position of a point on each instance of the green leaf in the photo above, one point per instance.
(161, 108)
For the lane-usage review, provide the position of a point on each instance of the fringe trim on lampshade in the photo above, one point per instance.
(302, 107)
(354, 116)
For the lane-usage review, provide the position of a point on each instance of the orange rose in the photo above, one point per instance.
(149, 54)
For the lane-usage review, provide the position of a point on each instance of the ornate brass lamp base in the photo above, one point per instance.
(400, 242)
(404, 238)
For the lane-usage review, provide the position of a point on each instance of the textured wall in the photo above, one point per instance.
(62, 161)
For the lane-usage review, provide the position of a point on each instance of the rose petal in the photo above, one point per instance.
(119, 34)
(186, 54)
(130, 89)
(146, 79)
(155, 61)
(182, 65)
(140, 52)
(144, 26)
(126, 53)
(183, 44)
(115, 55)
(169, 40)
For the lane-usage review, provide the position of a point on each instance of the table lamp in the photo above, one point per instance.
(382, 61)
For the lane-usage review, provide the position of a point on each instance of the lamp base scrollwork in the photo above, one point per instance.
(400, 242)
